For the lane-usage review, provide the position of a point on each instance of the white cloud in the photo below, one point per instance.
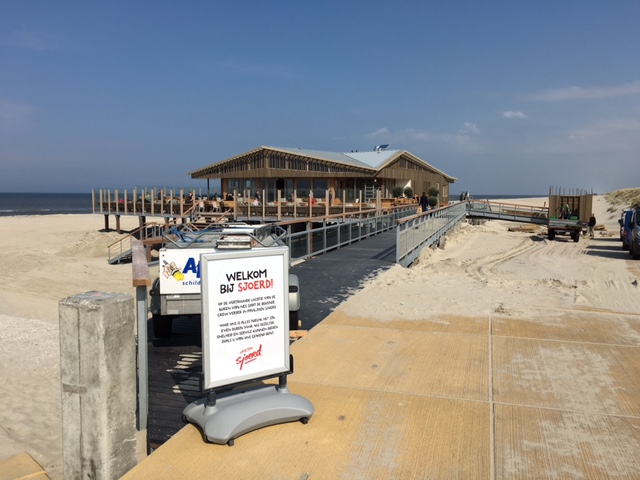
(381, 132)
(586, 93)
(30, 39)
(14, 117)
(469, 129)
(511, 115)
(620, 134)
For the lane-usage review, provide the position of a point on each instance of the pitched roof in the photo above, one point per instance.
(359, 159)
(373, 160)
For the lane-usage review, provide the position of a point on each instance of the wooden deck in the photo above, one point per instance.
(190, 208)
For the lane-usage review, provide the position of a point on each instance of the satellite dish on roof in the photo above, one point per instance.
(379, 148)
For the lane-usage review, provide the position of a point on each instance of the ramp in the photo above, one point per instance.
(508, 212)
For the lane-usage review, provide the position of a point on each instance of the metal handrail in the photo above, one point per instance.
(316, 240)
(321, 235)
(425, 229)
(122, 245)
(508, 209)
(157, 230)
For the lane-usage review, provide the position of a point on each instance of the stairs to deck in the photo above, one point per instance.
(152, 233)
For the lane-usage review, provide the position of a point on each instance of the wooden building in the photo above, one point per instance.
(300, 173)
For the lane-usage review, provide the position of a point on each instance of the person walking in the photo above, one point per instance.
(424, 202)
(592, 224)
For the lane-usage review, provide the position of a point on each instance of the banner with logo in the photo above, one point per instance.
(245, 315)
(180, 270)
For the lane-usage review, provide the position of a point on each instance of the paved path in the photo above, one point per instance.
(328, 280)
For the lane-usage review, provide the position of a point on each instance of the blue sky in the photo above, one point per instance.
(510, 97)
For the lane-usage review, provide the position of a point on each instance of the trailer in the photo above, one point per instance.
(176, 290)
(573, 228)
(568, 215)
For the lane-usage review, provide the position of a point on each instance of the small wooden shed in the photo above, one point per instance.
(575, 207)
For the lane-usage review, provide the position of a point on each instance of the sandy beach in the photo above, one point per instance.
(480, 263)
(482, 269)
(46, 258)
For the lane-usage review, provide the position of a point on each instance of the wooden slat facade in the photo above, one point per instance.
(266, 165)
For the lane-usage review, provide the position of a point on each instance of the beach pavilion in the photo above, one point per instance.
(300, 173)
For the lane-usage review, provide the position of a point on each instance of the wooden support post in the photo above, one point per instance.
(141, 282)
(327, 205)
(279, 203)
(235, 205)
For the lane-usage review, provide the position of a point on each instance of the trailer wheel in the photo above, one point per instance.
(162, 325)
(576, 236)
(551, 234)
(635, 253)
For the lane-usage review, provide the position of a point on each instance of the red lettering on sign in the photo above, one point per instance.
(249, 357)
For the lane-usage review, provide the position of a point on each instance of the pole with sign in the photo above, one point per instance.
(245, 339)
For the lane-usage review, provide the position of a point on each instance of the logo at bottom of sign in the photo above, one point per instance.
(248, 355)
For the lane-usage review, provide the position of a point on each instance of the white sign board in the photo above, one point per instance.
(245, 315)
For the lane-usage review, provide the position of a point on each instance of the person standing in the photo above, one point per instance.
(424, 202)
(592, 224)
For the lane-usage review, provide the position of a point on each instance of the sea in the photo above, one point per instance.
(17, 204)
(13, 204)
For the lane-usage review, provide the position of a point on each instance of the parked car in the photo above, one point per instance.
(625, 227)
(634, 233)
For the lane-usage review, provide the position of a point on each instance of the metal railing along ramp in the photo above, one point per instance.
(413, 231)
(507, 211)
(426, 229)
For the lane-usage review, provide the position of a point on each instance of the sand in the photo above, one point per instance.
(47, 258)
(480, 263)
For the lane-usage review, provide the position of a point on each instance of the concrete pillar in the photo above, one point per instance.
(98, 375)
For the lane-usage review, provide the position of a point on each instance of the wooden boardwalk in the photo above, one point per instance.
(175, 364)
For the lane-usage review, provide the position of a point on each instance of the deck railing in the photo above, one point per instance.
(143, 202)
(324, 232)
(175, 204)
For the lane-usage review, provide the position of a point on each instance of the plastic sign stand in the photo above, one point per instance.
(245, 338)
(235, 413)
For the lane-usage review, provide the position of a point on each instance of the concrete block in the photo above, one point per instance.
(98, 375)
